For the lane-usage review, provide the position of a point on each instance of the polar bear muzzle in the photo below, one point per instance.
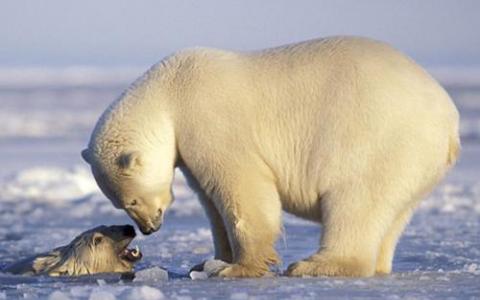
(147, 225)
(126, 184)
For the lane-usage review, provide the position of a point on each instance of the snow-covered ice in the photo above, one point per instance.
(151, 275)
(145, 293)
(47, 196)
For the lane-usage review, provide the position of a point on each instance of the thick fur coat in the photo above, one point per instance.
(344, 131)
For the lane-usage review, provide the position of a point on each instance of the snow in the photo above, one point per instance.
(48, 196)
(52, 185)
(239, 296)
(57, 295)
(151, 275)
(145, 293)
(101, 295)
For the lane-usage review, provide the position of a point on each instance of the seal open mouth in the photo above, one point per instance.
(131, 255)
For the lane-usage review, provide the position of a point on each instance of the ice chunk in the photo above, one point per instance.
(471, 268)
(57, 295)
(101, 282)
(151, 275)
(210, 267)
(196, 275)
(145, 293)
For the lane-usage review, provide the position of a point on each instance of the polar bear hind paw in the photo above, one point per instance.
(329, 267)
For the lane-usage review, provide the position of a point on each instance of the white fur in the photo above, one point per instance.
(344, 131)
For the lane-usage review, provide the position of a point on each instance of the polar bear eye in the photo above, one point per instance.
(133, 202)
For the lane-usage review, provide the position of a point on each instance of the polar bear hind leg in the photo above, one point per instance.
(389, 242)
(353, 228)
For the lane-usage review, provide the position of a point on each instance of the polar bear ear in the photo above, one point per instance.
(130, 160)
(86, 155)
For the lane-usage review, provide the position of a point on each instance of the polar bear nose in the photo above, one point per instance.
(149, 229)
(153, 224)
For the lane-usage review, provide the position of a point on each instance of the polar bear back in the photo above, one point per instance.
(316, 114)
(313, 117)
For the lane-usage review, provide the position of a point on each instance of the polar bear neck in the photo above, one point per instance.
(135, 120)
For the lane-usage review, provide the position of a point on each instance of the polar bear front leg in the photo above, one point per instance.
(221, 243)
(219, 233)
(352, 234)
(251, 211)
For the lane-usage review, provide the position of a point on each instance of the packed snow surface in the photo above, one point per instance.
(48, 196)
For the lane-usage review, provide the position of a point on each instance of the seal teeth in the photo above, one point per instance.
(136, 251)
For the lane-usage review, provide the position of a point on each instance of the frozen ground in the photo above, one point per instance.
(47, 196)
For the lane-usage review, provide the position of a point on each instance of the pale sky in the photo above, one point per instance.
(137, 33)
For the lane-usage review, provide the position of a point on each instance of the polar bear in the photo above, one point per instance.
(343, 131)
(102, 249)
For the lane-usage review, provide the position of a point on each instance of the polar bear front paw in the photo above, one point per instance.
(218, 268)
(240, 271)
(329, 267)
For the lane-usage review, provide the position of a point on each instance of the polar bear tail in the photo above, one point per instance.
(453, 149)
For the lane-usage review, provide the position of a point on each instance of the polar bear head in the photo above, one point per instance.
(134, 168)
(133, 184)
(132, 151)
